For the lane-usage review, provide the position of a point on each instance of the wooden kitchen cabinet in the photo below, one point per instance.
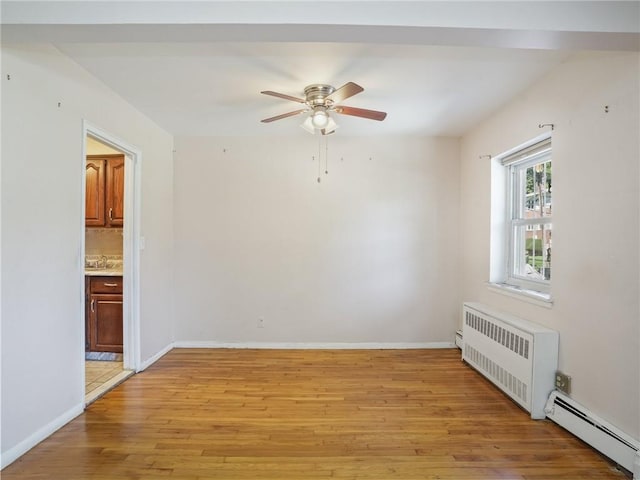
(94, 199)
(104, 314)
(104, 199)
(114, 192)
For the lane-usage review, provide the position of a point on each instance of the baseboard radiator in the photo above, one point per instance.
(602, 436)
(518, 356)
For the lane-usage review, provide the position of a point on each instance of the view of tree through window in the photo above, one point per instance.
(537, 204)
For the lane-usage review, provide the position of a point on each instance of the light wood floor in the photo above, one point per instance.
(272, 414)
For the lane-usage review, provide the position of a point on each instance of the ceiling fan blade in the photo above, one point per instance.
(362, 112)
(284, 115)
(282, 95)
(347, 90)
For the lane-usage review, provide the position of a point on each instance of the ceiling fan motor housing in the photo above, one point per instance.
(316, 95)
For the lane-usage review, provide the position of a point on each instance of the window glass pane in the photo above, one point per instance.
(532, 252)
(546, 252)
(536, 202)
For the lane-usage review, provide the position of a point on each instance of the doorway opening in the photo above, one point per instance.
(111, 263)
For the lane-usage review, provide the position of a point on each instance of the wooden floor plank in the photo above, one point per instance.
(321, 414)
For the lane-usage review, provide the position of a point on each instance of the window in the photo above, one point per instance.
(528, 226)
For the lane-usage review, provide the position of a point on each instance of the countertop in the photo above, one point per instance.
(102, 272)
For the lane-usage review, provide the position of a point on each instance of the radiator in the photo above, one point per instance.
(602, 436)
(518, 356)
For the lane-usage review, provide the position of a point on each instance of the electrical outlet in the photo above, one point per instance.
(260, 323)
(563, 382)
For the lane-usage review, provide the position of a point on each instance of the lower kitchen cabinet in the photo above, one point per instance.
(104, 314)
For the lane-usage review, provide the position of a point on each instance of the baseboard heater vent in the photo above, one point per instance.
(518, 356)
(604, 437)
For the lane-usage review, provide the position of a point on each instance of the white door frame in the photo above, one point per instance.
(131, 243)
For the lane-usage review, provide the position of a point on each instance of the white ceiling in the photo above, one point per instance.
(436, 74)
(214, 89)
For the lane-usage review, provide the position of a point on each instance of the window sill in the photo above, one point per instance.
(530, 296)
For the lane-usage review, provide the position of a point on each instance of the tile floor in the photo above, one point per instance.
(102, 376)
(97, 373)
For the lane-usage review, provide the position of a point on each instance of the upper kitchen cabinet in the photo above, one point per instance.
(94, 199)
(104, 201)
(114, 204)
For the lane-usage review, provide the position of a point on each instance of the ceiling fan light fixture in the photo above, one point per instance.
(308, 125)
(319, 118)
(331, 126)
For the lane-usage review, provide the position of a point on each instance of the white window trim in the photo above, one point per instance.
(500, 278)
(530, 296)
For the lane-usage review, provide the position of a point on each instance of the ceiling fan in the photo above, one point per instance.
(321, 100)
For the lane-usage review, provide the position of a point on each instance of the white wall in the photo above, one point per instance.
(368, 255)
(595, 273)
(42, 322)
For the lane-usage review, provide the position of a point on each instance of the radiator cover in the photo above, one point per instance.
(518, 356)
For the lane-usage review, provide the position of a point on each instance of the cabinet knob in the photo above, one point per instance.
(111, 214)
(93, 305)
(110, 284)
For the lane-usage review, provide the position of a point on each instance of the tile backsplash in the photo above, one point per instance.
(103, 241)
(103, 262)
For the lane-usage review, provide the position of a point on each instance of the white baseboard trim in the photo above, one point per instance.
(600, 434)
(11, 455)
(314, 345)
(153, 359)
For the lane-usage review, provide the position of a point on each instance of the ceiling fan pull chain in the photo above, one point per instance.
(326, 155)
(319, 157)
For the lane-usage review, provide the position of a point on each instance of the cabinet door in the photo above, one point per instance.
(105, 318)
(94, 198)
(87, 325)
(115, 192)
